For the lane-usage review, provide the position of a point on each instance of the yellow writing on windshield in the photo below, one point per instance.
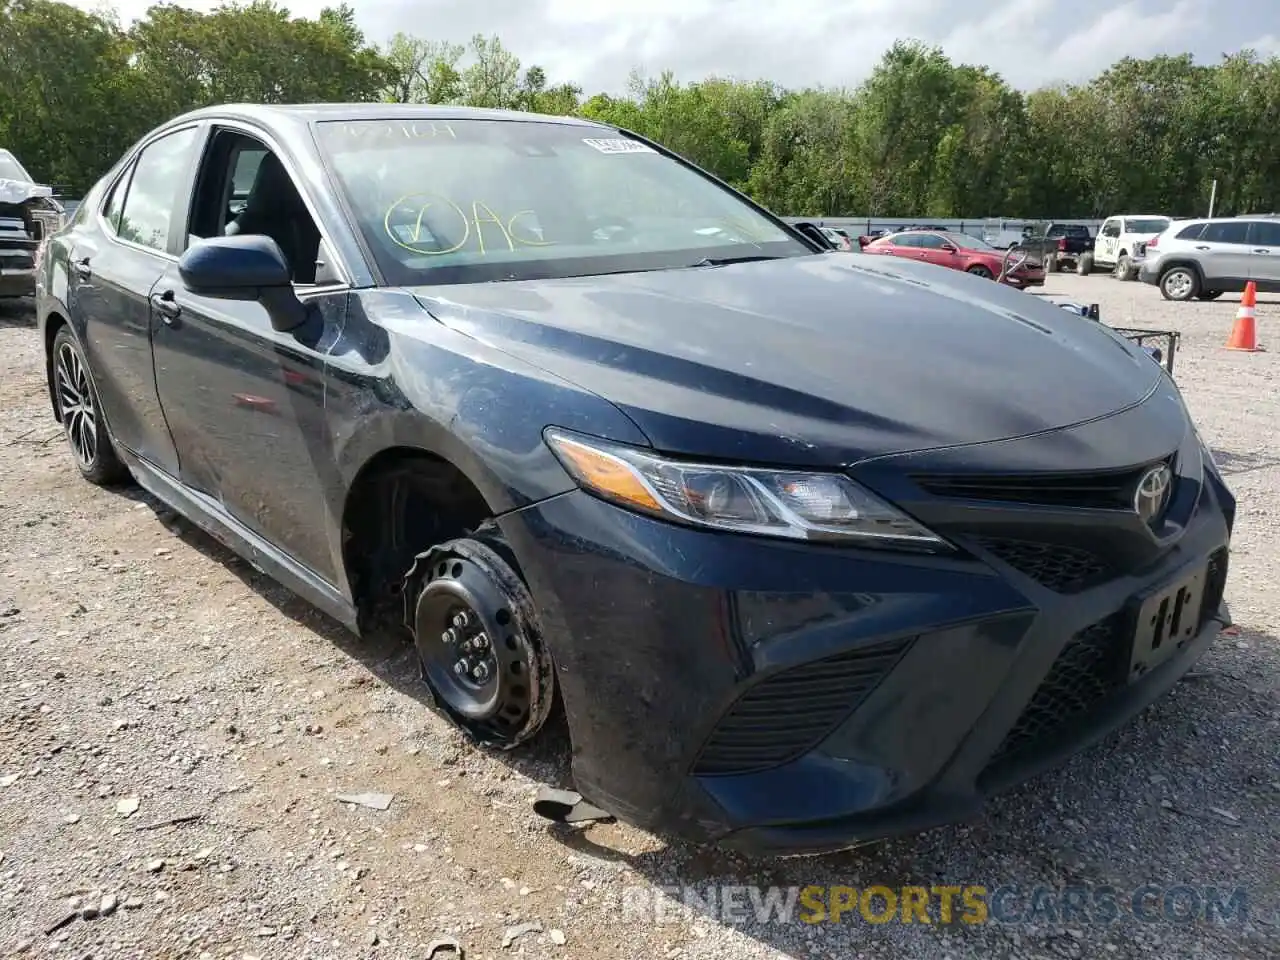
(432, 225)
(525, 241)
(407, 224)
(489, 217)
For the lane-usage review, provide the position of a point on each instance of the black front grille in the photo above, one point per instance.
(1090, 668)
(1109, 490)
(788, 714)
(1060, 568)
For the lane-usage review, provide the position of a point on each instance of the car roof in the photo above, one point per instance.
(317, 112)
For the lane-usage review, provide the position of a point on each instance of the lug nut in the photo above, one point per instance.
(481, 672)
(480, 641)
(460, 620)
(447, 638)
(460, 667)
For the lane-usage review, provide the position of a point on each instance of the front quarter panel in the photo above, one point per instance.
(400, 379)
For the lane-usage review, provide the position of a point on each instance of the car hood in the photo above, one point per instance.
(811, 360)
(19, 191)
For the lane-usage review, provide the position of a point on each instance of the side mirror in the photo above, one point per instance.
(948, 248)
(244, 267)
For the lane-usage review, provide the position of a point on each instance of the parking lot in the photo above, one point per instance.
(176, 730)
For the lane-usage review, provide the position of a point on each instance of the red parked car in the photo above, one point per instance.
(959, 251)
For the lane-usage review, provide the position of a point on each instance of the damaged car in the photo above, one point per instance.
(28, 215)
(806, 549)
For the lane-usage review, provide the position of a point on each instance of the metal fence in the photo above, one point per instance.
(974, 227)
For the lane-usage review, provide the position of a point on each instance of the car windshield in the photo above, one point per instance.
(464, 201)
(11, 169)
(1149, 225)
(966, 242)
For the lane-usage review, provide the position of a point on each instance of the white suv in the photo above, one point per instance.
(1118, 240)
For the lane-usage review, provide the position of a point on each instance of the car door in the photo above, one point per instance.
(906, 245)
(1264, 250)
(933, 249)
(1223, 252)
(245, 402)
(114, 268)
(1108, 244)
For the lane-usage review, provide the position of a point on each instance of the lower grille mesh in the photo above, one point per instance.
(1092, 666)
(788, 714)
(1060, 568)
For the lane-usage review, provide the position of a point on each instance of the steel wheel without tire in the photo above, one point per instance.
(1179, 283)
(978, 270)
(479, 642)
(80, 410)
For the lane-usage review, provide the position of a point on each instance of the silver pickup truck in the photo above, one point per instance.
(28, 214)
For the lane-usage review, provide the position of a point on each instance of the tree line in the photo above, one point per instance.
(921, 137)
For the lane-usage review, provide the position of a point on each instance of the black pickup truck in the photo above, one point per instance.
(1060, 246)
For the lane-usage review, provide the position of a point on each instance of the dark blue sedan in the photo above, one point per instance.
(809, 549)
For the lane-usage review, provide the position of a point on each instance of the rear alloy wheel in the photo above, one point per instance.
(1179, 283)
(1124, 267)
(81, 414)
(978, 270)
(479, 643)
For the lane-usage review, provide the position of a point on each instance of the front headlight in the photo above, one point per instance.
(775, 503)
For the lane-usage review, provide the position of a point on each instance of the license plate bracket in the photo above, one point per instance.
(1166, 620)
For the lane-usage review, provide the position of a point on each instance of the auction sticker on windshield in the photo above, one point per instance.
(618, 145)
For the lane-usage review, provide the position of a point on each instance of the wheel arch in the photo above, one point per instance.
(1187, 262)
(402, 499)
(53, 323)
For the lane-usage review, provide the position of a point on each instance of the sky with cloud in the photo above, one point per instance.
(596, 43)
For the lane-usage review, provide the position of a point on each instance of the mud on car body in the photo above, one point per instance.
(809, 549)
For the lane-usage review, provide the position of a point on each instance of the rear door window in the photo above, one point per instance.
(1264, 233)
(1226, 231)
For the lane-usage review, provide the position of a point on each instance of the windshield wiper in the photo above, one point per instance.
(722, 261)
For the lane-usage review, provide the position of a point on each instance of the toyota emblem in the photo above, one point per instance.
(1152, 493)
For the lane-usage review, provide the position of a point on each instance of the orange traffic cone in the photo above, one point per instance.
(1244, 332)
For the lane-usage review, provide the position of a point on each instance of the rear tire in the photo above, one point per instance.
(1124, 268)
(1084, 266)
(1179, 284)
(978, 270)
(80, 411)
(479, 641)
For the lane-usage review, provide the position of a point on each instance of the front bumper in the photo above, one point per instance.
(17, 282)
(784, 698)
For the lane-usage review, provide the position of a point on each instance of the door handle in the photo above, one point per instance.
(1261, 250)
(165, 306)
(81, 268)
(1202, 248)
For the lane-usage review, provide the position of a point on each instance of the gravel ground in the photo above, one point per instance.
(176, 731)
